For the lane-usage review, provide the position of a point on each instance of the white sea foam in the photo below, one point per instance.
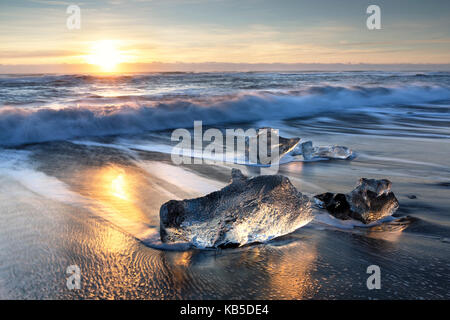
(14, 164)
(28, 125)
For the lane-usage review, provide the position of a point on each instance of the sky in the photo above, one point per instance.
(144, 34)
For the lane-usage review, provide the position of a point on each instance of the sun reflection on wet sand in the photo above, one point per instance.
(292, 278)
(287, 270)
(118, 187)
(113, 194)
(184, 259)
(114, 188)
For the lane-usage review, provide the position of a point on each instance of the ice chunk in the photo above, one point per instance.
(247, 210)
(310, 152)
(284, 145)
(293, 147)
(370, 201)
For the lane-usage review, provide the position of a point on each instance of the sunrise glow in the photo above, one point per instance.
(106, 55)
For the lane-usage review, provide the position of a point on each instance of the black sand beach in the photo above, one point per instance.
(94, 201)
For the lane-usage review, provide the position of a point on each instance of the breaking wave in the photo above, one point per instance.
(32, 125)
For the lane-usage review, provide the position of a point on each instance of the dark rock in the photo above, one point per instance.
(247, 210)
(370, 201)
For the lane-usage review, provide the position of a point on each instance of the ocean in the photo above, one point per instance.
(85, 166)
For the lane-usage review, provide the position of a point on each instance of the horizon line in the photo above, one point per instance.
(194, 67)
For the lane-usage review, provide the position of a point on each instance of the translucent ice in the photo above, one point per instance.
(310, 152)
(370, 201)
(247, 210)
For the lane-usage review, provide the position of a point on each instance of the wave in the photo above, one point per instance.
(33, 125)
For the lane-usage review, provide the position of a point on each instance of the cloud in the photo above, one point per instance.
(53, 3)
(37, 54)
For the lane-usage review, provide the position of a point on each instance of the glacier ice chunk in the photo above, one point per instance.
(248, 210)
(283, 147)
(310, 152)
(370, 201)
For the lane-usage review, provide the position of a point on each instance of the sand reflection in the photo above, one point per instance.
(291, 274)
(266, 271)
(113, 187)
(113, 193)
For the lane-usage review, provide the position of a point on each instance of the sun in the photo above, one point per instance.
(105, 54)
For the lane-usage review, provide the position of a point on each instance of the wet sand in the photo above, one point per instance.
(94, 206)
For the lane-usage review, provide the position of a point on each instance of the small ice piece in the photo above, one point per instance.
(307, 150)
(334, 152)
(370, 201)
(297, 151)
(248, 210)
(310, 152)
(285, 145)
